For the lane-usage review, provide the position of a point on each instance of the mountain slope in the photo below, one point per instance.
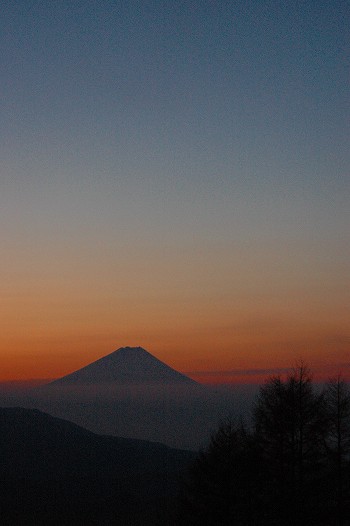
(55, 472)
(38, 445)
(127, 365)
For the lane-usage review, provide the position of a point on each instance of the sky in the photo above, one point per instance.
(174, 175)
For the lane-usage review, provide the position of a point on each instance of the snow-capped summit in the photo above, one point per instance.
(127, 365)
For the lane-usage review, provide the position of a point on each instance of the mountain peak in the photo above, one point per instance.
(131, 350)
(126, 365)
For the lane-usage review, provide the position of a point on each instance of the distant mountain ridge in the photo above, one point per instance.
(127, 365)
(37, 445)
(53, 472)
(131, 393)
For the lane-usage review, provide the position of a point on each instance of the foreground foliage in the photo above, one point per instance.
(291, 468)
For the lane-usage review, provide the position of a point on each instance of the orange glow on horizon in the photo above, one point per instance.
(50, 333)
(219, 362)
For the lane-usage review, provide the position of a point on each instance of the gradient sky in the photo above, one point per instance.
(174, 175)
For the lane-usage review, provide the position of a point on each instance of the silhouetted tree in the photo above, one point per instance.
(223, 487)
(337, 396)
(291, 469)
(290, 424)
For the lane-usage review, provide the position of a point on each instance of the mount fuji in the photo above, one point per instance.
(130, 393)
(126, 366)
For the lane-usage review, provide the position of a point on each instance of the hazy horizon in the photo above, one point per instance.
(218, 377)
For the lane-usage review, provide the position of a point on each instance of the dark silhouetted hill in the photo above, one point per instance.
(55, 472)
